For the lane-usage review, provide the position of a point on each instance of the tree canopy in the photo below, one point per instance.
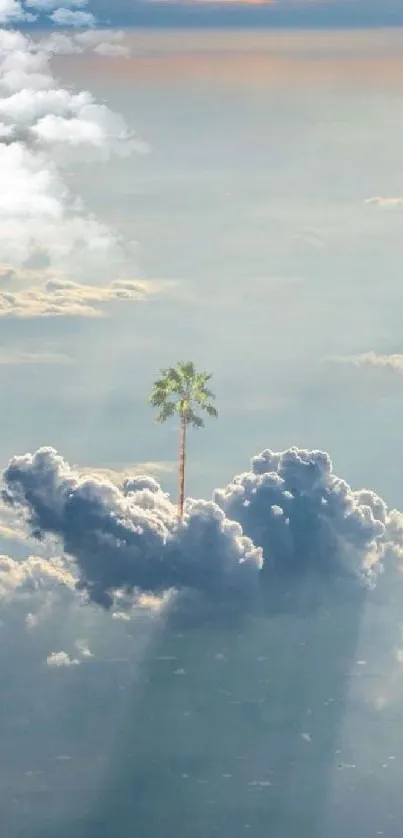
(182, 390)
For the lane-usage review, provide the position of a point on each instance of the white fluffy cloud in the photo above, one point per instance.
(12, 11)
(69, 17)
(42, 127)
(58, 659)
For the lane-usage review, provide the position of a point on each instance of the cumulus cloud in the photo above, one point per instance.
(54, 115)
(12, 11)
(64, 298)
(391, 363)
(69, 17)
(33, 575)
(293, 505)
(290, 511)
(58, 659)
(43, 127)
(129, 538)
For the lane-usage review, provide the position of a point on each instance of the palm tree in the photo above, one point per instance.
(181, 390)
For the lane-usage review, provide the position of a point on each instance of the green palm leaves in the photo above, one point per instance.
(182, 390)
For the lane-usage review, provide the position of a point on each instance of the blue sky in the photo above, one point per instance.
(281, 13)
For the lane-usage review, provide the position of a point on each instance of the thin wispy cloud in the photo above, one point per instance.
(385, 202)
(64, 298)
(70, 17)
(372, 360)
(118, 475)
(10, 357)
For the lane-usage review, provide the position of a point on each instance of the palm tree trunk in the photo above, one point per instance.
(182, 461)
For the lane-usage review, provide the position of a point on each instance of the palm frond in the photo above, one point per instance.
(178, 390)
(211, 410)
(187, 370)
(194, 420)
(168, 409)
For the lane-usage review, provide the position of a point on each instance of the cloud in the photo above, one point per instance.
(33, 575)
(385, 203)
(105, 42)
(11, 11)
(129, 538)
(371, 359)
(119, 475)
(11, 528)
(57, 659)
(15, 357)
(68, 17)
(107, 49)
(293, 505)
(84, 649)
(64, 298)
(43, 127)
(290, 511)
(54, 116)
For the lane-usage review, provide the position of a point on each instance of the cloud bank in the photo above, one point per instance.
(289, 513)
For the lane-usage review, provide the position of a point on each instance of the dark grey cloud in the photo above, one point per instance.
(290, 509)
(128, 538)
